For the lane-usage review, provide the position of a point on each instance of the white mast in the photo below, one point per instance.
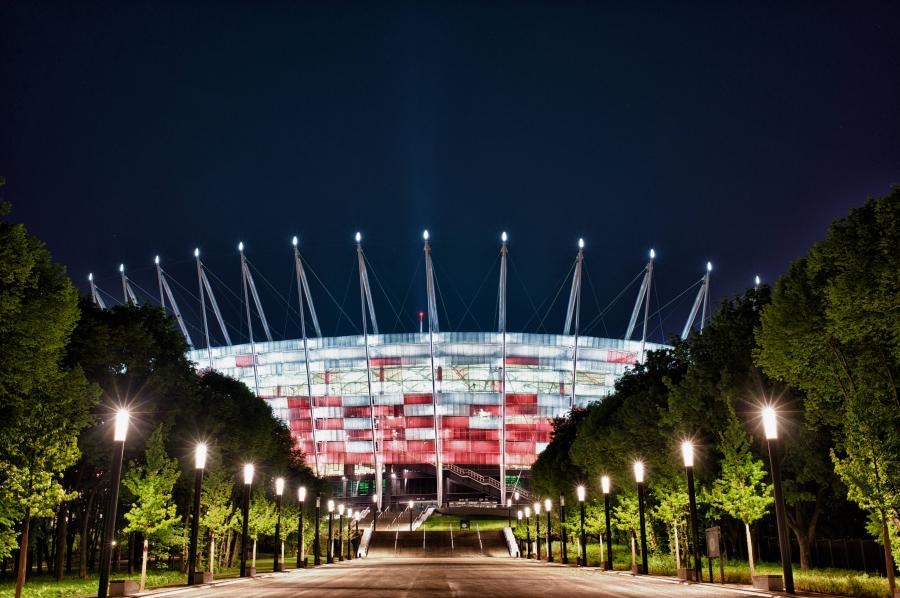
(95, 295)
(700, 300)
(502, 326)
(432, 328)
(127, 291)
(206, 289)
(573, 313)
(164, 288)
(244, 277)
(643, 297)
(303, 288)
(365, 296)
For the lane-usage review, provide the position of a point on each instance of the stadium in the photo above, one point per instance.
(433, 416)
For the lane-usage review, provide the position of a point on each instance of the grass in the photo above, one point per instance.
(443, 523)
(45, 586)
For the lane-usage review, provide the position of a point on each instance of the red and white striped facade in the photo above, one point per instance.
(337, 428)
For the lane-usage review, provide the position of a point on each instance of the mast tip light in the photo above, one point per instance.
(121, 267)
(156, 260)
(241, 246)
(503, 236)
(294, 241)
(709, 266)
(425, 234)
(91, 276)
(580, 243)
(652, 254)
(756, 280)
(358, 237)
(197, 252)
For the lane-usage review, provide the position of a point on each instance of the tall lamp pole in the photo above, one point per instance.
(410, 515)
(301, 545)
(279, 491)
(639, 478)
(537, 529)
(528, 529)
(604, 485)
(562, 528)
(317, 548)
(375, 511)
(199, 466)
(687, 452)
(581, 495)
(341, 532)
(120, 431)
(509, 511)
(770, 425)
(349, 534)
(547, 506)
(329, 549)
(519, 524)
(245, 512)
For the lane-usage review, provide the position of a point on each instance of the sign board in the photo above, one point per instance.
(713, 536)
(463, 524)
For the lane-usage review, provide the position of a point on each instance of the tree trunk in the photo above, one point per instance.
(144, 565)
(212, 553)
(254, 552)
(677, 547)
(750, 550)
(23, 554)
(70, 545)
(888, 558)
(62, 529)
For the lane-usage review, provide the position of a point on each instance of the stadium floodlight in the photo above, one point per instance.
(504, 237)
(652, 254)
(91, 276)
(425, 234)
(196, 252)
(580, 243)
(756, 280)
(121, 267)
(156, 260)
(709, 266)
(241, 246)
(358, 237)
(294, 241)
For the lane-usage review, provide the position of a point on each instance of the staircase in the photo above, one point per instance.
(485, 480)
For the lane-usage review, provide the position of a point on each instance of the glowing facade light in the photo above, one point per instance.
(196, 252)
(604, 484)
(279, 486)
(241, 246)
(503, 237)
(156, 260)
(121, 267)
(248, 473)
(580, 243)
(687, 453)
(639, 472)
(331, 506)
(425, 234)
(547, 504)
(709, 266)
(341, 509)
(537, 508)
(301, 493)
(294, 241)
(581, 493)
(358, 237)
(200, 452)
(770, 423)
(528, 511)
(652, 254)
(121, 427)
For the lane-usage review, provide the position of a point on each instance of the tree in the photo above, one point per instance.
(740, 490)
(672, 511)
(153, 513)
(833, 331)
(218, 508)
(43, 406)
(260, 519)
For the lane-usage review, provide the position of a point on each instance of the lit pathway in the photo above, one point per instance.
(481, 578)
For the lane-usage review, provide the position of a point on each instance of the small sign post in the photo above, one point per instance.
(714, 550)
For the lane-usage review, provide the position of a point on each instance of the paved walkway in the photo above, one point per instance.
(462, 577)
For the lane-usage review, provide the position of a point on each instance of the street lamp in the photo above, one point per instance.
(329, 549)
(519, 514)
(528, 529)
(581, 495)
(375, 511)
(687, 452)
(199, 466)
(349, 534)
(317, 548)
(509, 511)
(639, 478)
(562, 528)
(547, 505)
(410, 515)
(770, 426)
(245, 511)
(341, 532)
(604, 485)
(301, 545)
(537, 529)
(120, 431)
(279, 491)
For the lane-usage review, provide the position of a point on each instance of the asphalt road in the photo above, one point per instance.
(481, 578)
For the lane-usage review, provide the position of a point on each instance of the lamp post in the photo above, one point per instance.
(199, 466)
(604, 485)
(410, 515)
(547, 506)
(509, 511)
(537, 529)
(329, 549)
(349, 534)
(581, 495)
(120, 431)
(562, 528)
(341, 532)
(639, 478)
(375, 512)
(519, 514)
(301, 545)
(279, 491)
(770, 425)
(687, 452)
(317, 548)
(245, 512)
(528, 529)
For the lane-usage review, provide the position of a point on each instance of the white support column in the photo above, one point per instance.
(127, 291)
(95, 294)
(162, 298)
(647, 305)
(705, 294)
(249, 320)
(365, 295)
(432, 326)
(504, 251)
(200, 281)
(700, 300)
(301, 289)
(573, 314)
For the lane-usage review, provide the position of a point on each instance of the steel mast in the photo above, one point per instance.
(365, 296)
(245, 276)
(574, 313)
(701, 299)
(95, 294)
(127, 291)
(303, 289)
(203, 283)
(164, 288)
(643, 297)
(432, 328)
(502, 326)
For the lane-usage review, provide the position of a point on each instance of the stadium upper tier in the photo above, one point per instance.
(466, 388)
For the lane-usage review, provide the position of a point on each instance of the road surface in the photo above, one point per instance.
(462, 577)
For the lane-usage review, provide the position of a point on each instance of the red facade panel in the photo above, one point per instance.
(417, 399)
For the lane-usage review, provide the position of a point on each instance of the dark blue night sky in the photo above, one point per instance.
(733, 132)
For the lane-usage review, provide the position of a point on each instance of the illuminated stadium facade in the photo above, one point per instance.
(441, 413)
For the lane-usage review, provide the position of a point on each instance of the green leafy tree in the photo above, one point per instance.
(740, 491)
(626, 518)
(218, 509)
(672, 511)
(43, 406)
(153, 513)
(261, 518)
(833, 331)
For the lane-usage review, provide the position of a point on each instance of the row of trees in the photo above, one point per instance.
(823, 347)
(65, 368)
